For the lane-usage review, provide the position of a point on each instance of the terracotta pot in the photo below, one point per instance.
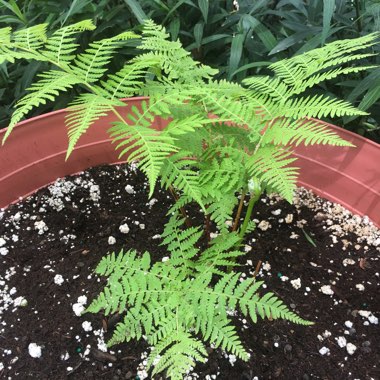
(34, 156)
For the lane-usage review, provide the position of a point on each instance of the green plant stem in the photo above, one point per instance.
(183, 211)
(207, 227)
(254, 198)
(238, 213)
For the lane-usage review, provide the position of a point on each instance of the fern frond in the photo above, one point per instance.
(91, 65)
(234, 293)
(273, 87)
(176, 62)
(187, 124)
(270, 166)
(46, 89)
(83, 112)
(129, 79)
(221, 209)
(181, 243)
(143, 144)
(313, 80)
(61, 45)
(304, 131)
(6, 54)
(318, 106)
(219, 177)
(30, 38)
(180, 351)
(295, 70)
(177, 171)
(237, 112)
(5, 35)
(222, 334)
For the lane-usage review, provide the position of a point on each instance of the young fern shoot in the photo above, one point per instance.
(174, 302)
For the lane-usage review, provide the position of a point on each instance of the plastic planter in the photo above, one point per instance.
(34, 156)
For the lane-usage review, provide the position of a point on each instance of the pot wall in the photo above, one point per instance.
(34, 156)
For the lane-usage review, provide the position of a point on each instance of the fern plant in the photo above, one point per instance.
(223, 141)
(200, 158)
(180, 304)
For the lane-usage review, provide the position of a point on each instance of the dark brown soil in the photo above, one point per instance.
(279, 350)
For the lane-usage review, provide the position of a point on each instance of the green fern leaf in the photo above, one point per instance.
(273, 87)
(270, 166)
(318, 106)
(177, 171)
(46, 89)
(141, 143)
(83, 112)
(305, 131)
(297, 69)
(129, 79)
(30, 38)
(61, 45)
(181, 243)
(91, 65)
(180, 352)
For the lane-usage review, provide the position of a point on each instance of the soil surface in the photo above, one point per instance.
(322, 261)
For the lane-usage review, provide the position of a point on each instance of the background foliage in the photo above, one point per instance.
(239, 42)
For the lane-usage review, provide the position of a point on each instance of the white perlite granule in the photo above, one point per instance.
(111, 240)
(87, 326)
(351, 348)
(20, 302)
(4, 251)
(124, 229)
(360, 287)
(326, 289)
(58, 279)
(78, 307)
(348, 324)
(2, 242)
(296, 283)
(264, 225)
(266, 266)
(65, 356)
(41, 227)
(129, 189)
(35, 351)
(324, 351)
(342, 342)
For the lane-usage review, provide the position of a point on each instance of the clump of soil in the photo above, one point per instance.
(316, 256)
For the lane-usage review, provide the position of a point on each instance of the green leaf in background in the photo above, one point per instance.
(174, 27)
(370, 98)
(328, 11)
(203, 6)
(373, 79)
(198, 34)
(235, 53)
(251, 66)
(265, 35)
(14, 8)
(208, 40)
(136, 9)
(292, 40)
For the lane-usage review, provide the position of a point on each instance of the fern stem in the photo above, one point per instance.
(254, 198)
(207, 227)
(182, 209)
(238, 213)
(257, 269)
